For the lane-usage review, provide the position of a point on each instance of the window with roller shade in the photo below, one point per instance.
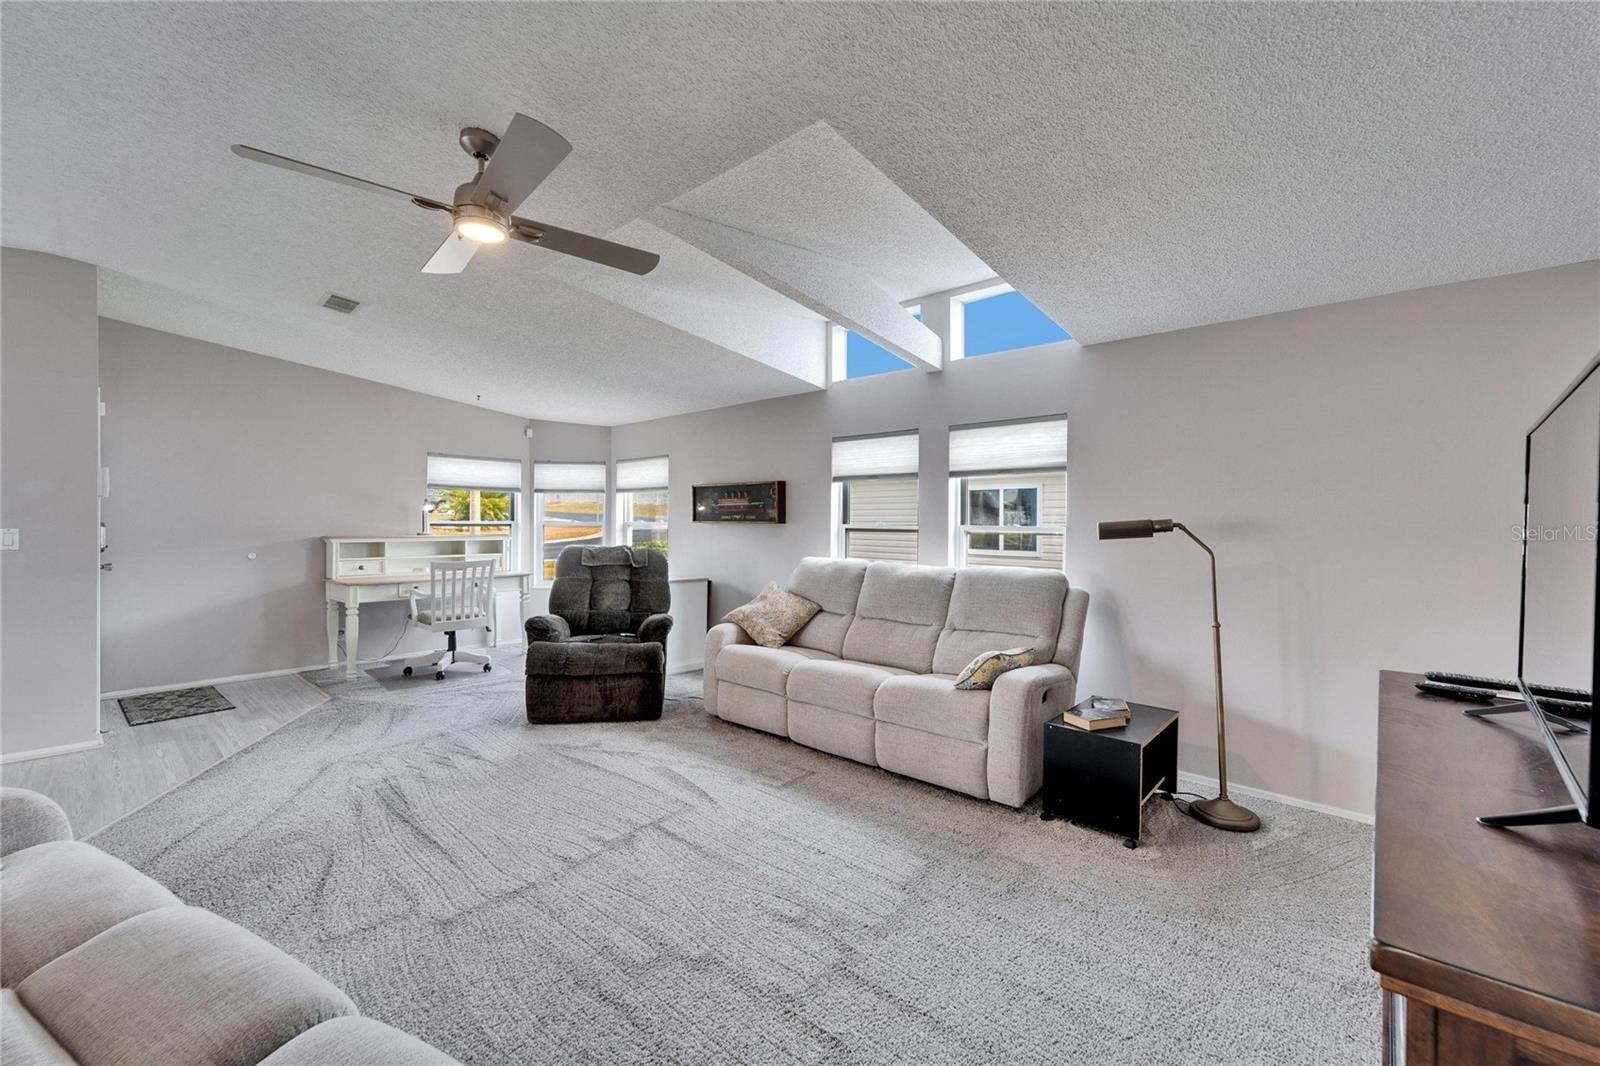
(642, 502)
(875, 486)
(1008, 484)
(474, 496)
(569, 502)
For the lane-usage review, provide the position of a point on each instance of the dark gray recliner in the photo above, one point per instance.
(600, 655)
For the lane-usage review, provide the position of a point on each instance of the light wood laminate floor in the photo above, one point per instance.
(135, 764)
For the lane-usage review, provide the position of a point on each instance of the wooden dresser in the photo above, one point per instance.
(1487, 940)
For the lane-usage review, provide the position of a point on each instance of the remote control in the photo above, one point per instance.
(1555, 692)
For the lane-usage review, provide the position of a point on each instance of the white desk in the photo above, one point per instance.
(351, 592)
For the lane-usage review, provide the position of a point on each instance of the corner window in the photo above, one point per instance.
(642, 503)
(875, 497)
(998, 319)
(474, 497)
(569, 502)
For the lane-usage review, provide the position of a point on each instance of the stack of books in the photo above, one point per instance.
(1099, 712)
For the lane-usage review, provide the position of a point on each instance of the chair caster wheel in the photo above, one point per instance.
(486, 668)
(439, 676)
(406, 671)
(1130, 844)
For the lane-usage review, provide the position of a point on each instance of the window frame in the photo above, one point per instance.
(627, 523)
(957, 327)
(842, 527)
(1000, 529)
(471, 527)
(961, 555)
(839, 344)
(539, 524)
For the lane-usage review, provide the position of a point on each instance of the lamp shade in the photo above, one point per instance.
(1138, 527)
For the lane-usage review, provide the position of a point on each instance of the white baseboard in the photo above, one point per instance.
(687, 668)
(1278, 797)
(216, 680)
(45, 753)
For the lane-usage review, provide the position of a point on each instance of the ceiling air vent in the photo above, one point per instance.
(342, 304)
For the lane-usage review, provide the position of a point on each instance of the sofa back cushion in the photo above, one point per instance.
(900, 614)
(995, 607)
(835, 586)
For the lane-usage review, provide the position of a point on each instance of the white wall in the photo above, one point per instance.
(48, 488)
(1357, 468)
(216, 453)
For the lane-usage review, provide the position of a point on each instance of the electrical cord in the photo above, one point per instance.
(406, 628)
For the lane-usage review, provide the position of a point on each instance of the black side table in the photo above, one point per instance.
(1102, 778)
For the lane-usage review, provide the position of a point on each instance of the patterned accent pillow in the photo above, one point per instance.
(774, 616)
(982, 671)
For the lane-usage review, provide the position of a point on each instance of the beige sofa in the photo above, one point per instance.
(871, 676)
(100, 964)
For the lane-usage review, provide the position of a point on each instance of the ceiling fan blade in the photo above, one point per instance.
(244, 151)
(594, 249)
(526, 155)
(452, 257)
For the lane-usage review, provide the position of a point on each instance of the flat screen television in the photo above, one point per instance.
(1561, 587)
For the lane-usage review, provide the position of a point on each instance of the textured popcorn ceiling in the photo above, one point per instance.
(1131, 167)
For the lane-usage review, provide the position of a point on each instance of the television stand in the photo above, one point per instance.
(1545, 816)
(1566, 725)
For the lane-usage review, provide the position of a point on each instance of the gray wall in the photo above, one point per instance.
(1357, 468)
(216, 453)
(48, 488)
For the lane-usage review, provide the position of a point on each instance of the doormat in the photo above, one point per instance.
(165, 706)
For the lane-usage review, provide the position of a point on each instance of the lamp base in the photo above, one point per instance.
(1223, 813)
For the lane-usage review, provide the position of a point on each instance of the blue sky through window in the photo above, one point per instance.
(864, 359)
(1002, 323)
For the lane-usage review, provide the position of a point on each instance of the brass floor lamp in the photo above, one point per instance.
(1221, 812)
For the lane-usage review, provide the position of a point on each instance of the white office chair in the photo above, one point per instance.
(460, 596)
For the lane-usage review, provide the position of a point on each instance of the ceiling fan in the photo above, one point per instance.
(509, 168)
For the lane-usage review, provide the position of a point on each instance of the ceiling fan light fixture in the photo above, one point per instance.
(479, 224)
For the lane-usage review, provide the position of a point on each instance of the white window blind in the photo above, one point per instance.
(569, 477)
(638, 475)
(1036, 445)
(456, 472)
(891, 455)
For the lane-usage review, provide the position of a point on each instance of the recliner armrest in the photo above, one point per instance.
(547, 627)
(1019, 705)
(28, 818)
(654, 629)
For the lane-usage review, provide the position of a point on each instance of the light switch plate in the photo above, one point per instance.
(10, 540)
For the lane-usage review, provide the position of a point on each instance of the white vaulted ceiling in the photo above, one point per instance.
(1131, 167)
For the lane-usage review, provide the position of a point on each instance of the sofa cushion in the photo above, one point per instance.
(835, 586)
(995, 607)
(54, 897)
(178, 986)
(774, 616)
(23, 1041)
(899, 615)
(761, 668)
(986, 669)
(931, 703)
(839, 685)
(356, 1041)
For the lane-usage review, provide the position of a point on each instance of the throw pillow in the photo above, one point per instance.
(774, 616)
(982, 671)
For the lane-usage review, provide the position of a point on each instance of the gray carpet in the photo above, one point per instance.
(687, 891)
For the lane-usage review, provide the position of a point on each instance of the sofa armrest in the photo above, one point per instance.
(1019, 705)
(547, 627)
(654, 629)
(718, 637)
(28, 818)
